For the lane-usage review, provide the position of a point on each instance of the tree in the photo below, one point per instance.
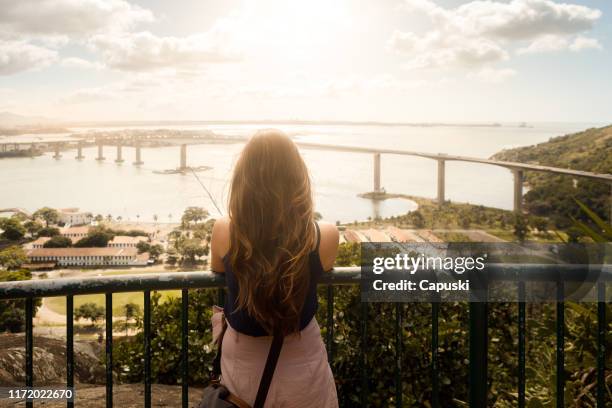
(539, 223)
(417, 219)
(99, 218)
(12, 312)
(33, 227)
(193, 214)
(192, 248)
(132, 310)
(49, 215)
(58, 241)
(12, 258)
(90, 311)
(97, 237)
(520, 227)
(153, 250)
(48, 232)
(12, 229)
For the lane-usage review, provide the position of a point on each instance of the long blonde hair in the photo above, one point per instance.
(271, 231)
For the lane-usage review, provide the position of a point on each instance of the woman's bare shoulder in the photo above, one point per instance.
(328, 247)
(221, 236)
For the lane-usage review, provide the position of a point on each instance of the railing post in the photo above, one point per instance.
(69, 346)
(29, 306)
(330, 323)
(399, 389)
(363, 352)
(109, 350)
(435, 377)
(147, 348)
(601, 345)
(478, 354)
(560, 346)
(185, 347)
(521, 344)
(441, 181)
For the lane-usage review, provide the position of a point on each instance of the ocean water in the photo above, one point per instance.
(338, 177)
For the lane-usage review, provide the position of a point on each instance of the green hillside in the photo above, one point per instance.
(553, 195)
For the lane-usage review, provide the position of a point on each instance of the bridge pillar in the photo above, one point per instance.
(441, 181)
(119, 153)
(4, 148)
(100, 151)
(183, 157)
(377, 188)
(518, 190)
(79, 155)
(57, 154)
(138, 161)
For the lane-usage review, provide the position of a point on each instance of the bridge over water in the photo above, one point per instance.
(517, 169)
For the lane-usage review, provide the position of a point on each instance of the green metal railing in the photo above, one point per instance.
(340, 276)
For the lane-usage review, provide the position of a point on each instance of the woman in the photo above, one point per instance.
(272, 253)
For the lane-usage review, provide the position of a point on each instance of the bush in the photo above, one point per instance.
(379, 352)
(12, 312)
(58, 241)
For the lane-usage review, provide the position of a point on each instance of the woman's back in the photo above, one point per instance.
(273, 254)
(244, 323)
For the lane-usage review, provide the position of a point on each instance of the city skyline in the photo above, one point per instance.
(385, 61)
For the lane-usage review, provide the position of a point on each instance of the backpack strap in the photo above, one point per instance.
(268, 373)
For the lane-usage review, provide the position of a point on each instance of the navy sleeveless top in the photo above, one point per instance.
(243, 323)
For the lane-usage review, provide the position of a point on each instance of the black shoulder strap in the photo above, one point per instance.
(318, 236)
(266, 377)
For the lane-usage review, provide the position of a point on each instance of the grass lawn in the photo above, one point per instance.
(58, 304)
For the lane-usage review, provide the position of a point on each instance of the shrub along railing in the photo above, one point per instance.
(29, 290)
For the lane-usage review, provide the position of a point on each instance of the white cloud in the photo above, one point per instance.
(76, 18)
(18, 56)
(546, 43)
(74, 62)
(494, 75)
(144, 51)
(583, 43)
(479, 33)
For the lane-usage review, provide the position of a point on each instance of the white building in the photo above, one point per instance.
(38, 243)
(123, 241)
(73, 216)
(75, 233)
(88, 256)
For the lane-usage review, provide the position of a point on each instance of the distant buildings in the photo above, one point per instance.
(122, 241)
(38, 243)
(75, 233)
(73, 216)
(88, 256)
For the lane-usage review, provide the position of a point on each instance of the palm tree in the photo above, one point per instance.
(169, 217)
(137, 218)
(155, 218)
(109, 218)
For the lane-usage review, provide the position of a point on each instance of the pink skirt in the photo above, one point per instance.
(303, 377)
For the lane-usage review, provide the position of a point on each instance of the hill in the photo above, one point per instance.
(553, 195)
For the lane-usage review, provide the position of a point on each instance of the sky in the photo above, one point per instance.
(354, 60)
